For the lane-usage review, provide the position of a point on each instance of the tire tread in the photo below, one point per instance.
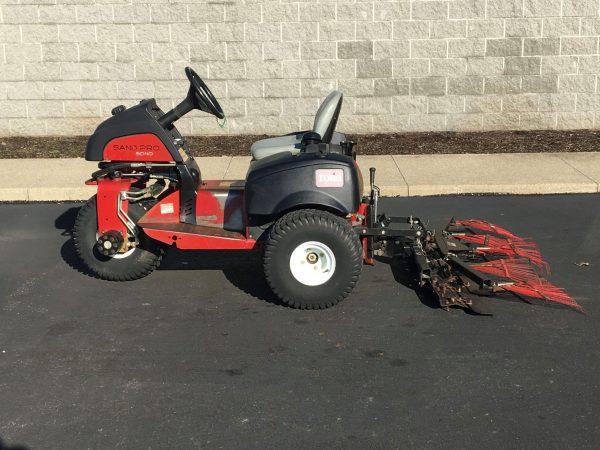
(142, 266)
(291, 223)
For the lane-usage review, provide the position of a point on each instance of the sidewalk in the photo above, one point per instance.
(412, 175)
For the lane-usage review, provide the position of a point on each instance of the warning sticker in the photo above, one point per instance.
(167, 208)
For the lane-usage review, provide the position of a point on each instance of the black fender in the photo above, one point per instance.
(310, 200)
(285, 182)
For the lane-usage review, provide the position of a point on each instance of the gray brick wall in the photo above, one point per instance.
(402, 65)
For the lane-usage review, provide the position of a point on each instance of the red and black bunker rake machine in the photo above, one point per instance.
(301, 204)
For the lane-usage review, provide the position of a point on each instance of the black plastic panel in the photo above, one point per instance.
(141, 118)
(189, 179)
(284, 182)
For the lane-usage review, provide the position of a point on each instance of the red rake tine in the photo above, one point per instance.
(491, 244)
(527, 282)
(514, 269)
(486, 226)
(544, 291)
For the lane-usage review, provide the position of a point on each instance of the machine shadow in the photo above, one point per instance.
(65, 222)
(3, 446)
(404, 273)
(241, 268)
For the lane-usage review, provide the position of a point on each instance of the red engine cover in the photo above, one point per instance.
(138, 147)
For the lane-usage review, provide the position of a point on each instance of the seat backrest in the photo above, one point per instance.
(327, 116)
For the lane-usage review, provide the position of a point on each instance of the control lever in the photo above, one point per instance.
(374, 192)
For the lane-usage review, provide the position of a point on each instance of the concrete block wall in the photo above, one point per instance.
(403, 65)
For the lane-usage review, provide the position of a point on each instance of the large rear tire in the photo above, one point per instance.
(136, 263)
(312, 259)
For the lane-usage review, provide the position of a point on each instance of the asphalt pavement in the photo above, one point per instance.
(200, 355)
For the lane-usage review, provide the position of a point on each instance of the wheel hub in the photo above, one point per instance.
(109, 243)
(312, 263)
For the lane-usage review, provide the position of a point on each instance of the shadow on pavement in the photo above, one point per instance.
(243, 269)
(404, 273)
(3, 446)
(65, 222)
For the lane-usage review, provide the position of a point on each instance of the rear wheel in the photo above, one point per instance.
(312, 259)
(131, 265)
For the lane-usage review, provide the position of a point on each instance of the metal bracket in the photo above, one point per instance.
(124, 217)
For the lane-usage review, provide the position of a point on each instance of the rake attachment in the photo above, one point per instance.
(493, 260)
(468, 258)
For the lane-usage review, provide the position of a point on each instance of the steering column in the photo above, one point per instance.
(199, 97)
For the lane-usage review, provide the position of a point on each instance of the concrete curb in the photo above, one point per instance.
(398, 175)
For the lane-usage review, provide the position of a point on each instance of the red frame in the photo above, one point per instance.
(166, 212)
(191, 241)
(363, 210)
(106, 204)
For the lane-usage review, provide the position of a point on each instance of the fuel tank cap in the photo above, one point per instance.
(118, 109)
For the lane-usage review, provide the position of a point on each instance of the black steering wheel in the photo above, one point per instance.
(201, 95)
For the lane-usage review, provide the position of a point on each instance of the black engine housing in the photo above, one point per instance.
(283, 182)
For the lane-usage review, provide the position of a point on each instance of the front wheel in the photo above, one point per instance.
(131, 265)
(312, 259)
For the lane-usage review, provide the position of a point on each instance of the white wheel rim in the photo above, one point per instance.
(123, 255)
(312, 263)
(118, 255)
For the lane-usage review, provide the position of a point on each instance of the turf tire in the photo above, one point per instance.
(142, 261)
(309, 225)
